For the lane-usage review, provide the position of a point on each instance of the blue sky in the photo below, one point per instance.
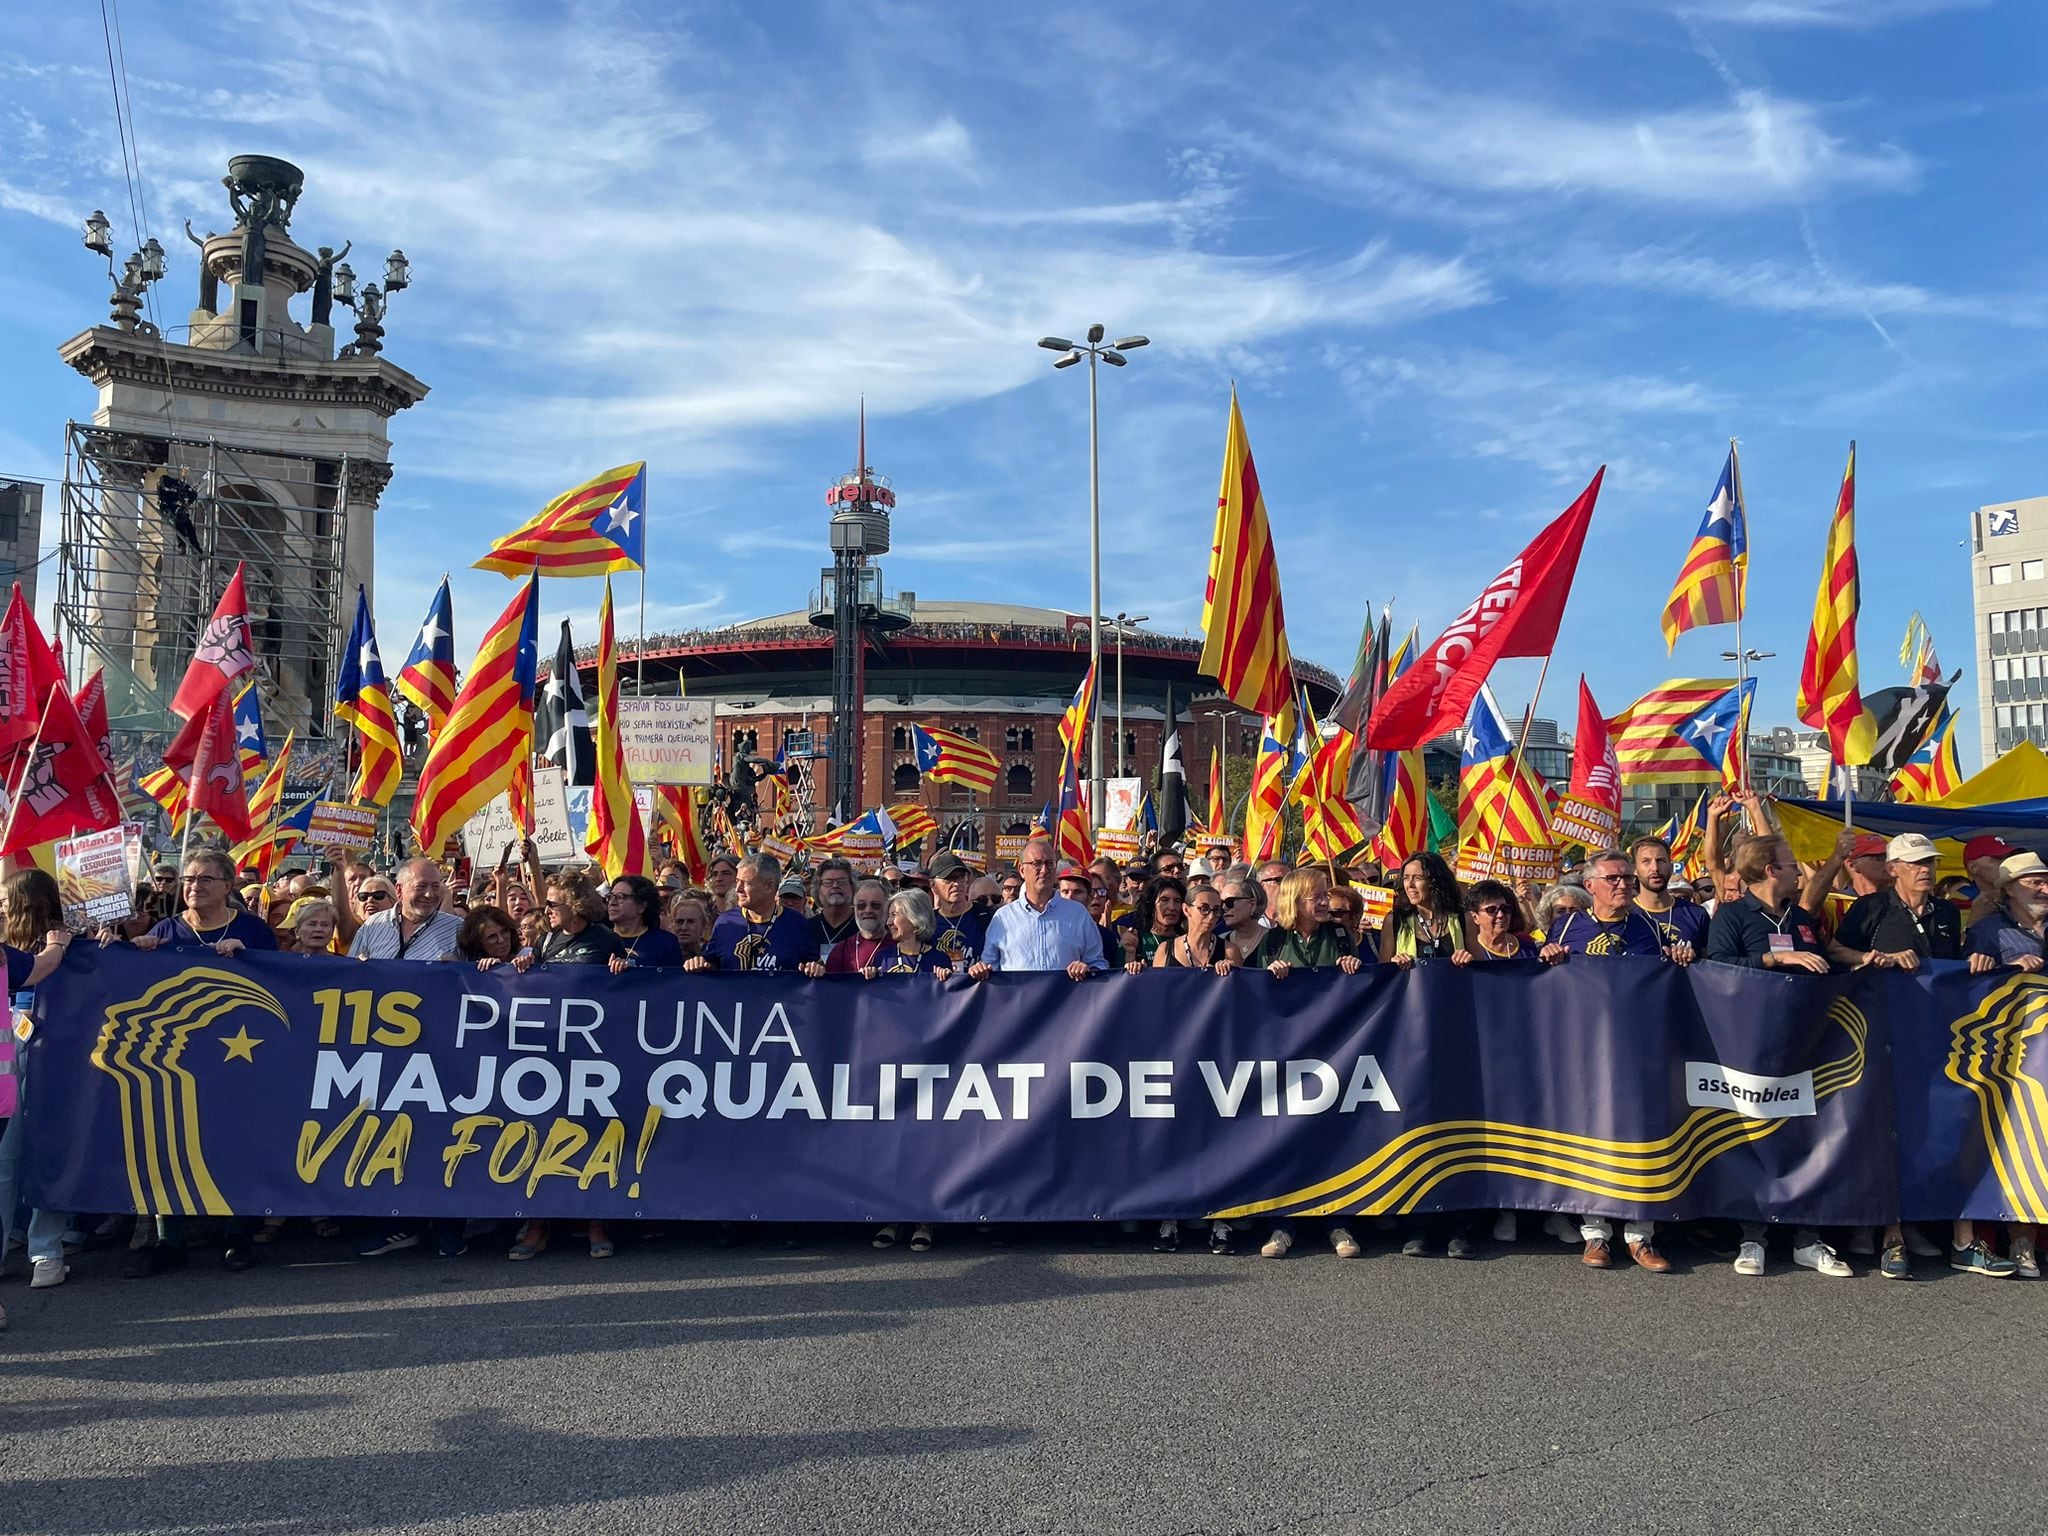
(1455, 258)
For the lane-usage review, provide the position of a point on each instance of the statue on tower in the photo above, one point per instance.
(262, 191)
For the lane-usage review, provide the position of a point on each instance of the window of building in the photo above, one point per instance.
(971, 732)
(1010, 738)
(1024, 739)
(1017, 783)
(906, 778)
(2030, 570)
(2003, 715)
(2001, 575)
(1998, 622)
(899, 739)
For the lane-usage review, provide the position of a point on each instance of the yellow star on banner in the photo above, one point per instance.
(241, 1045)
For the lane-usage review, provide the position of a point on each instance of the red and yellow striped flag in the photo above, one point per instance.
(1265, 808)
(616, 839)
(593, 529)
(1244, 633)
(486, 746)
(262, 851)
(913, 822)
(675, 810)
(1407, 828)
(1934, 771)
(1830, 692)
(168, 790)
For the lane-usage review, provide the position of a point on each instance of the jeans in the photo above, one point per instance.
(45, 1228)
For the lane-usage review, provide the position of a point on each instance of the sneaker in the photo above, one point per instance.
(1596, 1254)
(153, 1261)
(1168, 1239)
(920, 1238)
(1819, 1256)
(1920, 1245)
(391, 1242)
(1461, 1248)
(885, 1237)
(1505, 1227)
(1276, 1246)
(1895, 1265)
(2026, 1263)
(1563, 1228)
(1749, 1259)
(1978, 1259)
(1415, 1248)
(1342, 1243)
(1221, 1243)
(45, 1273)
(451, 1245)
(1863, 1242)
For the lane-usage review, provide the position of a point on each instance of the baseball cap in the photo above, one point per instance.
(2022, 864)
(1868, 845)
(949, 866)
(790, 887)
(1910, 848)
(1988, 847)
(1071, 872)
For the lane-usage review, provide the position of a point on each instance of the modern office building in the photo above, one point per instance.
(2009, 586)
(21, 536)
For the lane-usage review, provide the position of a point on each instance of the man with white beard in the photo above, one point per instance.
(870, 931)
(2012, 935)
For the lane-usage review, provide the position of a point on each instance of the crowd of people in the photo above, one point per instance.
(1872, 903)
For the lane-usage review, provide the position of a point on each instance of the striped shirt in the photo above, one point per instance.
(379, 938)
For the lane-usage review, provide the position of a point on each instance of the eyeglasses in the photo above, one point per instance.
(558, 906)
(1231, 901)
(201, 879)
(1491, 909)
(1614, 879)
(378, 896)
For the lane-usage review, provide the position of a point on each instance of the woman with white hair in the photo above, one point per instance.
(908, 951)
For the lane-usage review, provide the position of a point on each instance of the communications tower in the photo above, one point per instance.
(850, 603)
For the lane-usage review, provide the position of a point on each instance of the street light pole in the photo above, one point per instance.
(1122, 620)
(1096, 351)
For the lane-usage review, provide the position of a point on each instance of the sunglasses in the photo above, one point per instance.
(1492, 909)
(379, 896)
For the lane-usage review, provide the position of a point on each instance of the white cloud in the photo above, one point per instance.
(945, 144)
(1758, 150)
(1842, 14)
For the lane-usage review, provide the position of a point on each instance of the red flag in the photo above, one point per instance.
(91, 703)
(29, 668)
(65, 788)
(223, 654)
(1517, 615)
(1596, 771)
(205, 754)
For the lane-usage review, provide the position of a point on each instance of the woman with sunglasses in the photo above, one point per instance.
(634, 907)
(1202, 945)
(1495, 929)
(1241, 907)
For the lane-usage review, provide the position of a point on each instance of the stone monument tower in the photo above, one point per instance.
(242, 435)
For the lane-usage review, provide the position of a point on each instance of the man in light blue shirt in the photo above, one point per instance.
(1041, 930)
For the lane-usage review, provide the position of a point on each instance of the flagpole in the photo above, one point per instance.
(640, 672)
(1741, 602)
(1515, 765)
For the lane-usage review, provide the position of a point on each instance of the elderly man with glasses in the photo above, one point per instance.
(1041, 930)
(417, 927)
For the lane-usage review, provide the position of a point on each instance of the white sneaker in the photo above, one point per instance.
(1919, 1245)
(1749, 1259)
(1504, 1227)
(1343, 1243)
(1563, 1228)
(48, 1272)
(1821, 1257)
(1277, 1245)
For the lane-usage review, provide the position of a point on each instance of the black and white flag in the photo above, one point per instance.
(1905, 718)
(1173, 781)
(560, 724)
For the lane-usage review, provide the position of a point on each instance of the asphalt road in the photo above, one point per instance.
(1045, 1387)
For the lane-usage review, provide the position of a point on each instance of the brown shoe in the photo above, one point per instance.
(1596, 1255)
(1649, 1258)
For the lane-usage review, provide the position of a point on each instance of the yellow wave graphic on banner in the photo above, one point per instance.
(1987, 1055)
(1397, 1178)
(141, 1046)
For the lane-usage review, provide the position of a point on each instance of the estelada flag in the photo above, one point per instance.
(223, 654)
(486, 746)
(593, 529)
(1517, 615)
(66, 787)
(29, 669)
(205, 755)
(1244, 632)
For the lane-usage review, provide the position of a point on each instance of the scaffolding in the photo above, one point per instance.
(153, 527)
